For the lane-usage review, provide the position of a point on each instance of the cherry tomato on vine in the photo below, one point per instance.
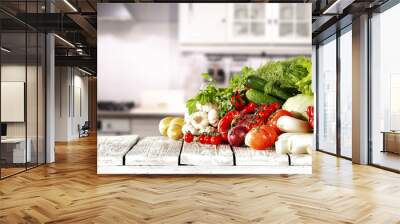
(202, 139)
(188, 137)
(216, 140)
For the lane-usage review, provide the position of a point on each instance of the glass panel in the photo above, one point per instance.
(41, 99)
(31, 89)
(302, 11)
(258, 11)
(13, 80)
(346, 94)
(31, 98)
(257, 29)
(327, 97)
(385, 89)
(240, 29)
(303, 29)
(286, 11)
(240, 11)
(285, 29)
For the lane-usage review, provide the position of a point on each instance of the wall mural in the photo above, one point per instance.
(205, 89)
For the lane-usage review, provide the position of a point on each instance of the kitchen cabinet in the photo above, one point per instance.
(248, 23)
(202, 23)
(244, 23)
(269, 23)
(292, 23)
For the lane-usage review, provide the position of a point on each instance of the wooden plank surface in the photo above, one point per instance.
(206, 155)
(70, 191)
(209, 170)
(300, 160)
(154, 151)
(111, 149)
(250, 157)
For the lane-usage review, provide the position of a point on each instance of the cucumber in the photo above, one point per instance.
(255, 82)
(259, 97)
(278, 92)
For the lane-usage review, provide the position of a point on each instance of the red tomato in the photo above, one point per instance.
(271, 132)
(272, 122)
(188, 137)
(207, 139)
(216, 140)
(260, 138)
(202, 139)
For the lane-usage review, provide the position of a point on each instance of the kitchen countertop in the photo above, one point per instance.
(143, 112)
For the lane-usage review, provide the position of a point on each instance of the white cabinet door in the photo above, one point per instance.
(247, 23)
(201, 23)
(292, 23)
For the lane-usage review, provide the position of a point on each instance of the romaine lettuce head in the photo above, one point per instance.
(294, 73)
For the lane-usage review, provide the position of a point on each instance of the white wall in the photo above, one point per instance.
(142, 52)
(68, 82)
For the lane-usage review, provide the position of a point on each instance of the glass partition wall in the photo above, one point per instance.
(385, 90)
(345, 92)
(327, 95)
(22, 78)
(334, 94)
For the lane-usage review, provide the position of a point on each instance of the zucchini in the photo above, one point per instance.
(255, 82)
(259, 97)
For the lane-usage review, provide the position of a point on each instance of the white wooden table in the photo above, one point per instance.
(160, 155)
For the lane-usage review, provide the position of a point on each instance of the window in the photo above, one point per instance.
(385, 89)
(327, 96)
(346, 93)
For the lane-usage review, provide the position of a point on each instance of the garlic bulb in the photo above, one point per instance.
(208, 129)
(213, 117)
(189, 128)
(199, 120)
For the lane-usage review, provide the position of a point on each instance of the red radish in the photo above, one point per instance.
(225, 123)
(237, 101)
(273, 121)
(310, 113)
(224, 136)
(249, 108)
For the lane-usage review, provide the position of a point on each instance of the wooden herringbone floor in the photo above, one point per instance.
(69, 191)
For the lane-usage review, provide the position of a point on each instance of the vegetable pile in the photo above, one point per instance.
(262, 108)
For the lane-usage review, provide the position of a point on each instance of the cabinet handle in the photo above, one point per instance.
(223, 20)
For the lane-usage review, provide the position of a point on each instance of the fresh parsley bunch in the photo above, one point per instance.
(219, 96)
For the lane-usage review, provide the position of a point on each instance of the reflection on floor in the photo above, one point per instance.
(10, 169)
(386, 159)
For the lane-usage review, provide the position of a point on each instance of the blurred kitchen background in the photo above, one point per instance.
(150, 56)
